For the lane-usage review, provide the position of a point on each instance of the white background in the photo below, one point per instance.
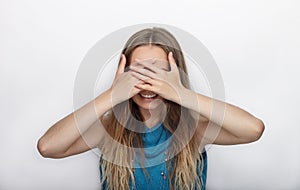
(256, 47)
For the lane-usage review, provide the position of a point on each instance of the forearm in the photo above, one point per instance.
(235, 120)
(66, 131)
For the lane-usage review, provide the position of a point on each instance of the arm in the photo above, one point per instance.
(64, 137)
(63, 134)
(235, 126)
(87, 141)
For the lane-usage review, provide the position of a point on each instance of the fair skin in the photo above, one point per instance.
(146, 79)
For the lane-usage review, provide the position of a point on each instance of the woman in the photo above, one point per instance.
(153, 128)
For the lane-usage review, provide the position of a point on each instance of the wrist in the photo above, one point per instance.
(103, 102)
(187, 98)
(181, 95)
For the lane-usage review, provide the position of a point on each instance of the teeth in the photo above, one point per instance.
(148, 95)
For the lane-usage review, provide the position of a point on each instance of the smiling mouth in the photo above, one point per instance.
(148, 95)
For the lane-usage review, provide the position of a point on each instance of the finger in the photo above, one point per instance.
(143, 71)
(122, 64)
(149, 64)
(162, 64)
(152, 82)
(172, 61)
(145, 80)
(145, 86)
(155, 65)
(135, 62)
(140, 82)
(139, 76)
(135, 91)
(152, 67)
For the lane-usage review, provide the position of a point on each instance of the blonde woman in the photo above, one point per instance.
(150, 127)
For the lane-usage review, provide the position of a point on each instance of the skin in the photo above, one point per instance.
(151, 109)
(64, 139)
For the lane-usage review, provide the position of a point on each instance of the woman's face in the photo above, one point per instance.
(146, 99)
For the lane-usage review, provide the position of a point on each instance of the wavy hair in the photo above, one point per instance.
(184, 149)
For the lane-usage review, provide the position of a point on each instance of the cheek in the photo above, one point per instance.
(135, 97)
(160, 98)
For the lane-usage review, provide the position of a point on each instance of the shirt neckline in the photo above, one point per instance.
(147, 129)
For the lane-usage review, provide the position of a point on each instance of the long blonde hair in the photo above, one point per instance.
(183, 171)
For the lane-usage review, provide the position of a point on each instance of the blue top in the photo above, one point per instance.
(156, 141)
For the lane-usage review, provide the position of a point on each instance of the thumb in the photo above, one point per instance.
(122, 64)
(172, 61)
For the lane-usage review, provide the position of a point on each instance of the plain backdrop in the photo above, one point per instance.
(254, 43)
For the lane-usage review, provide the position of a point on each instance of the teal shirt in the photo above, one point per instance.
(156, 141)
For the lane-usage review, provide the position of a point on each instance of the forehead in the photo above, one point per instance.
(148, 52)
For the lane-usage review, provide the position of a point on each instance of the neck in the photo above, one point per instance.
(154, 116)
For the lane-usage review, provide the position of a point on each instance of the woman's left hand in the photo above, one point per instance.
(167, 84)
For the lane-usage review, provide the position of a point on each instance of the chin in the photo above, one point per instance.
(149, 107)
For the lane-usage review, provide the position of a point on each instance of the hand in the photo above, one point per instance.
(167, 84)
(124, 84)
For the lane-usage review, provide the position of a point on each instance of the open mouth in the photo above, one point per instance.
(148, 95)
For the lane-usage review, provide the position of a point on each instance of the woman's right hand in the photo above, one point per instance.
(80, 130)
(123, 87)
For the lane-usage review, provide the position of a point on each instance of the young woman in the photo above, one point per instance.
(150, 127)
